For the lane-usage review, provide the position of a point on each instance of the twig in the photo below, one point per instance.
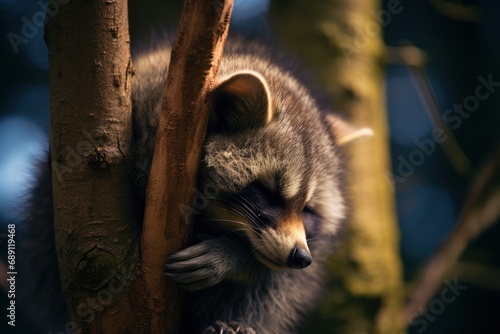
(457, 11)
(478, 274)
(415, 59)
(481, 210)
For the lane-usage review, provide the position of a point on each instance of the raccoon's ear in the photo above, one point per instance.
(344, 132)
(240, 102)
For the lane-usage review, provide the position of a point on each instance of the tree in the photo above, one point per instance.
(90, 85)
(344, 45)
(91, 137)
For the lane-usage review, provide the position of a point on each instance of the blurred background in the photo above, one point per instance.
(461, 44)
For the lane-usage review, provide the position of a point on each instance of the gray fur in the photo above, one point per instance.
(294, 156)
(294, 153)
(297, 142)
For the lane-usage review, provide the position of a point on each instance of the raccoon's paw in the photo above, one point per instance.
(199, 266)
(231, 328)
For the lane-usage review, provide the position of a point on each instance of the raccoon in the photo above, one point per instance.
(273, 159)
(272, 155)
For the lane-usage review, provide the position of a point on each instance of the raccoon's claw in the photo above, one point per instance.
(197, 267)
(232, 328)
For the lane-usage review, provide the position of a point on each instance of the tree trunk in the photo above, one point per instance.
(341, 40)
(91, 132)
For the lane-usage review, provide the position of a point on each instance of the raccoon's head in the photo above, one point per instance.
(273, 160)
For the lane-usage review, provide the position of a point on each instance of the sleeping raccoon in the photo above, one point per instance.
(272, 157)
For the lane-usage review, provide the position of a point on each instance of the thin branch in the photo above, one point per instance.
(195, 59)
(478, 274)
(407, 55)
(415, 59)
(481, 210)
(457, 11)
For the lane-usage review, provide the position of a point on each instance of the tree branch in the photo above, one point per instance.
(481, 210)
(478, 274)
(415, 59)
(457, 11)
(195, 59)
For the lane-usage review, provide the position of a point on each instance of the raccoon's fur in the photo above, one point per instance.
(272, 162)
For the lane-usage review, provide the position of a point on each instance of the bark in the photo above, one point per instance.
(95, 227)
(193, 67)
(341, 40)
(90, 85)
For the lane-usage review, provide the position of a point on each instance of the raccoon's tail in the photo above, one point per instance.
(40, 294)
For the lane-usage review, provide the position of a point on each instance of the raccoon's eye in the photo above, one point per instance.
(259, 190)
(309, 211)
(311, 221)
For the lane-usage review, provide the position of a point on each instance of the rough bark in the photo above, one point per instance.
(107, 288)
(195, 59)
(90, 74)
(341, 40)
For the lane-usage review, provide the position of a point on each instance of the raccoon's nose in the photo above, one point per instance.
(299, 258)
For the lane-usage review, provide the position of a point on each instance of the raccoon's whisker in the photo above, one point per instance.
(252, 251)
(215, 198)
(236, 230)
(249, 215)
(257, 248)
(242, 205)
(254, 248)
(252, 226)
(230, 204)
(221, 220)
(236, 211)
(232, 208)
(251, 207)
(248, 202)
(243, 208)
(243, 202)
(226, 220)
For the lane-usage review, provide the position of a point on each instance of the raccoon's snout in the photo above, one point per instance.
(299, 258)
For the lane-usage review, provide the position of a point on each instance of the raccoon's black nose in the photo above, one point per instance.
(299, 258)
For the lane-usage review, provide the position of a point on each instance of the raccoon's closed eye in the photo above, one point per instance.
(309, 211)
(311, 220)
(272, 197)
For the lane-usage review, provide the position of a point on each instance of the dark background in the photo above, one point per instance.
(461, 45)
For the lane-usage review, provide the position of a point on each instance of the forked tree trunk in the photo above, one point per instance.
(341, 40)
(107, 288)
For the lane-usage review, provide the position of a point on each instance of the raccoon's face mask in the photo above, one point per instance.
(265, 170)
